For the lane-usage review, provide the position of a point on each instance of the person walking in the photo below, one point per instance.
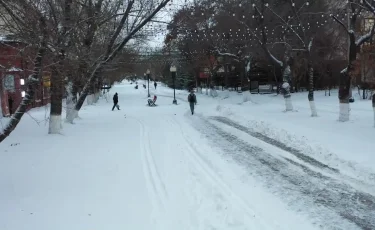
(192, 99)
(155, 84)
(115, 102)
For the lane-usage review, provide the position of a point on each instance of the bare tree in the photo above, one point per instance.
(262, 39)
(355, 8)
(205, 44)
(144, 12)
(95, 22)
(61, 26)
(299, 23)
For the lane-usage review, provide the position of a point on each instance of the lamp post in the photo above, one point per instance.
(148, 82)
(173, 70)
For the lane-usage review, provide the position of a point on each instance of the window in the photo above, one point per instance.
(8, 83)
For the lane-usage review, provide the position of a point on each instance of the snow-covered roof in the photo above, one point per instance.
(3, 38)
(8, 38)
(14, 69)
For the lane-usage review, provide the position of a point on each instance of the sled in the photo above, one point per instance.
(152, 102)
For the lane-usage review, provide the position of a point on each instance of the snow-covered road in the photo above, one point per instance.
(192, 187)
(160, 168)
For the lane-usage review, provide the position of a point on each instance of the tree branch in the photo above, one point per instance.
(369, 6)
(120, 26)
(341, 23)
(365, 37)
(12, 14)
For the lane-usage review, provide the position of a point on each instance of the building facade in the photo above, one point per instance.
(15, 66)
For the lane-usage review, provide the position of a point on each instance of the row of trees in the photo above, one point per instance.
(297, 37)
(78, 42)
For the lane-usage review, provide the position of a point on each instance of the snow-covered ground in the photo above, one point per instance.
(232, 165)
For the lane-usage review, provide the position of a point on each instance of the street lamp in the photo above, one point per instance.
(148, 82)
(173, 70)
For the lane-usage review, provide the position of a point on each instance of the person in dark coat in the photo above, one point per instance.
(155, 84)
(192, 99)
(115, 102)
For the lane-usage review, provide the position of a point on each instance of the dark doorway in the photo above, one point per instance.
(10, 104)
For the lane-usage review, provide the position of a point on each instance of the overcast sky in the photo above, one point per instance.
(166, 16)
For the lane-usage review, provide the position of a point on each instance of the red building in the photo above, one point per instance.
(14, 69)
(204, 70)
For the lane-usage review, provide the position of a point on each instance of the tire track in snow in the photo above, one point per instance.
(156, 187)
(200, 162)
(307, 159)
(327, 198)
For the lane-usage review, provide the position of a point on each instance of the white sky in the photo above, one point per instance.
(166, 16)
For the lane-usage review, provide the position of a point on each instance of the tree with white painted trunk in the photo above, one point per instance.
(98, 23)
(305, 39)
(97, 18)
(255, 41)
(52, 13)
(61, 30)
(298, 26)
(247, 94)
(144, 12)
(259, 16)
(355, 9)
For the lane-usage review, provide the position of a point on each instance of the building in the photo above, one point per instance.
(15, 66)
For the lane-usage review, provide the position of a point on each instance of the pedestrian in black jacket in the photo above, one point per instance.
(115, 102)
(192, 99)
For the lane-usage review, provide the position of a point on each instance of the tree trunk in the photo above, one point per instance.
(74, 91)
(57, 81)
(246, 96)
(286, 89)
(70, 113)
(207, 87)
(69, 99)
(345, 80)
(98, 89)
(364, 94)
(55, 125)
(82, 97)
(344, 95)
(314, 113)
(97, 92)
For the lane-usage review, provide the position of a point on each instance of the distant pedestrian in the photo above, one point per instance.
(192, 99)
(155, 84)
(115, 102)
